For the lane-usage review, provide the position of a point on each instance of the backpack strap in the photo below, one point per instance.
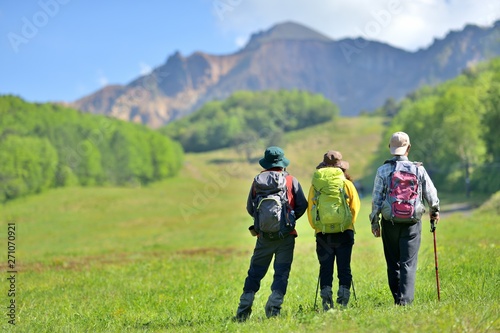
(289, 190)
(346, 197)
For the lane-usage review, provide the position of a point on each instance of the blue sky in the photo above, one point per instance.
(61, 50)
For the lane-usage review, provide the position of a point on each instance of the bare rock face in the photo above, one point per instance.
(356, 74)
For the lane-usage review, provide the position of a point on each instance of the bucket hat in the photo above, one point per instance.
(274, 157)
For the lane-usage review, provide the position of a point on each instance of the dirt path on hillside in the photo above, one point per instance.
(465, 208)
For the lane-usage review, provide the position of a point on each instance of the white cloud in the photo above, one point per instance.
(144, 69)
(241, 41)
(102, 79)
(408, 24)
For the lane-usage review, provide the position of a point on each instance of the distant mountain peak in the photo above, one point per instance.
(286, 31)
(290, 55)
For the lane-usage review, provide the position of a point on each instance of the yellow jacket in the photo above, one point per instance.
(352, 201)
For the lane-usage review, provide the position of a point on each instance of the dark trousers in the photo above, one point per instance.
(335, 246)
(265, 250)
(401, 245)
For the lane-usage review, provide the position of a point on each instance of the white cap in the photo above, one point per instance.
(399, 143)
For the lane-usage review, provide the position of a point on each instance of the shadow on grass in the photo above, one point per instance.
(304, 314)
(220, 161)
(173, 324)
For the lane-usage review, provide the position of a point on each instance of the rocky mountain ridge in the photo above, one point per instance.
(356, 74)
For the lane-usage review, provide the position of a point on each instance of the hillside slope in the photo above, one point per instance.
(97, 220)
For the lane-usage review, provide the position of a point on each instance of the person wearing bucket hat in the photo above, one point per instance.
(401, 239)
(331, 185)
(279, 244)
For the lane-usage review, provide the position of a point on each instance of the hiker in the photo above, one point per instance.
(280, 241)
(332, 186)
(360, 188)
(401, 216)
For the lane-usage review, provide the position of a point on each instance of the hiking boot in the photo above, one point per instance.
(273, 305)
(245, 307)
(343, 296)
(242, 316)
(327, 298)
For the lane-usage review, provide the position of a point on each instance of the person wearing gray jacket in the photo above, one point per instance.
(401, 241)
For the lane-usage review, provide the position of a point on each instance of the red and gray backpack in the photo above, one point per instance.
(273, 213)
(403, 201)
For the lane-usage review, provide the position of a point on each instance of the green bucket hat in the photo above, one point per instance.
(274, 157)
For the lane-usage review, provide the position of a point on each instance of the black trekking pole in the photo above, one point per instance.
(354, 290)
(433, 230)
(317, 289)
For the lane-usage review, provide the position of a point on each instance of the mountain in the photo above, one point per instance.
(356, 74)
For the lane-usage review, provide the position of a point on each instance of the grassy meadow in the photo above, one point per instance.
(172, 257)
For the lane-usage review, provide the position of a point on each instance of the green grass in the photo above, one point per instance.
(172, 257)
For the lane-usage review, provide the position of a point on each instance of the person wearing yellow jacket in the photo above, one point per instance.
(335, 243)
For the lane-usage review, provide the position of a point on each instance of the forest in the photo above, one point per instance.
(48, 145)
(246, 117)
(454, 128)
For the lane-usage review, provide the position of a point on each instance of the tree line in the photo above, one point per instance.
(246, 117)
(49, 145)
(453, 129)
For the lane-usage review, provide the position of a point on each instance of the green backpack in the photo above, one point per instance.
(330, 213)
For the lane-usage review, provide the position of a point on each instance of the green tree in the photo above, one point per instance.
(47, 145)
(266, 115)
(453, 129)
(26, 166)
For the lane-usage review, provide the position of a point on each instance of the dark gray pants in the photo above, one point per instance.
(265, 250)
(401, 245)
(329, 247)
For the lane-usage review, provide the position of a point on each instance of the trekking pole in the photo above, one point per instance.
(354, 290)
(317, 289)
(433, 230)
